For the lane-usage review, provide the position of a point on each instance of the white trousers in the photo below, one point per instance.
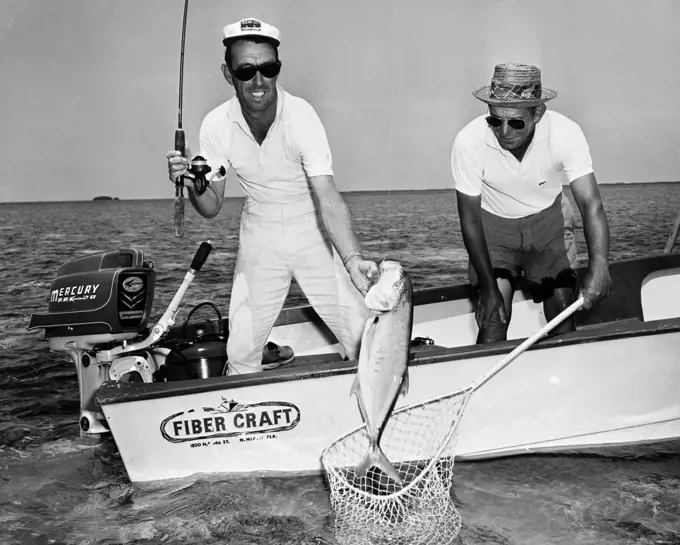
(276, 243)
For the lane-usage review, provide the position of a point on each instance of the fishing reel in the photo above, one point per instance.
(199, 170)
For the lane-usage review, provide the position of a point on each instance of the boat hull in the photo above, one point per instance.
(612, 386)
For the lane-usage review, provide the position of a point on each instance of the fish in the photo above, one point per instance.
(382, 369)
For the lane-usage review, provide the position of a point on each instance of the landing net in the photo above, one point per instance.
(419, 440)
(373, 509)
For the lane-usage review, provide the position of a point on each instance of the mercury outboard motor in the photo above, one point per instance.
(98, 312)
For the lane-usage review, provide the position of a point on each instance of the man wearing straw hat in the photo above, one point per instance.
(294, 221)
(508, 168)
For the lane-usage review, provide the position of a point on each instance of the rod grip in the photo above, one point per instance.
(180, 145)
(179, 216)
(180, 141)
(201, 255)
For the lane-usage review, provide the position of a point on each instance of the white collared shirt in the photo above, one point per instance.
(296, 146)
(513, 189)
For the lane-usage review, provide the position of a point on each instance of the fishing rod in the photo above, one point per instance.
(180, 140)
(199, 167)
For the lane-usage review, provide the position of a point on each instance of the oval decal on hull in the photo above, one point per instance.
(230, 419)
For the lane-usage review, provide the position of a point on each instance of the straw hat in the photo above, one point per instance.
(515, 85)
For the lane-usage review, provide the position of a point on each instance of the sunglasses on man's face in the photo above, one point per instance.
(268, 70)
(495, 122)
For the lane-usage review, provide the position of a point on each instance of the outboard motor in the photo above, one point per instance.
(98, 312)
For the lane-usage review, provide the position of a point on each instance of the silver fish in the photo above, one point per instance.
(382, 370)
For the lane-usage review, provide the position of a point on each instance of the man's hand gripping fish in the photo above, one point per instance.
(382, 371)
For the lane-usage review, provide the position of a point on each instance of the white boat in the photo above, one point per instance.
(611, 383)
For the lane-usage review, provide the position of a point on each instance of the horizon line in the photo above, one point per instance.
(351, 192)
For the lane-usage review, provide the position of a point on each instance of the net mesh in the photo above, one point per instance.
(373, 509)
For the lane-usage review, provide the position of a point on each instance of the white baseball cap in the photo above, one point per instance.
(250, 27)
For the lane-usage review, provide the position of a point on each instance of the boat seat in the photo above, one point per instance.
(314, 359)
(603, 325)
(426, 348)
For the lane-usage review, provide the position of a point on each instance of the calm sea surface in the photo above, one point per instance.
(55, 489)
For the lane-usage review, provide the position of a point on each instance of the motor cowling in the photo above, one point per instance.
(105, 294)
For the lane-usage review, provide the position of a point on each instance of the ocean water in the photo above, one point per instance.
(56, 488)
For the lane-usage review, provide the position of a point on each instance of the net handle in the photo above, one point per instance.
(557, 320)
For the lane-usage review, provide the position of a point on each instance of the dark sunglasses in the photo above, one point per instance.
(495, 122)
(268, 70)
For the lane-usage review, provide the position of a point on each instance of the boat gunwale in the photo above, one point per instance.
(111, 393)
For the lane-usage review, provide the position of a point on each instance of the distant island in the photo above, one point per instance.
(105, 198)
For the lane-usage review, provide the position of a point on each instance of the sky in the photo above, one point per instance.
(89, 88)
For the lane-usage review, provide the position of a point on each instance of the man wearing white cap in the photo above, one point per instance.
(508, 167)
(294, 221)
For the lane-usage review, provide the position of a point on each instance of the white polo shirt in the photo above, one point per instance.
(296, 146)
(511, 189)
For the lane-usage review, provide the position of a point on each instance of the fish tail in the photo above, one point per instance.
(375, 457)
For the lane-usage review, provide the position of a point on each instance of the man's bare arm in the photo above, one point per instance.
(210, 203)
(470, 213)
(335, 215)
(595, 225)
(597, 282)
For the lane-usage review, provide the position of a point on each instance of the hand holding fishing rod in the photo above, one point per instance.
(179, 168)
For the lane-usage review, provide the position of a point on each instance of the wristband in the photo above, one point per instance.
(350, 256)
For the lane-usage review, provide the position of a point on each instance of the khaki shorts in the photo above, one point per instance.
(533, 246)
